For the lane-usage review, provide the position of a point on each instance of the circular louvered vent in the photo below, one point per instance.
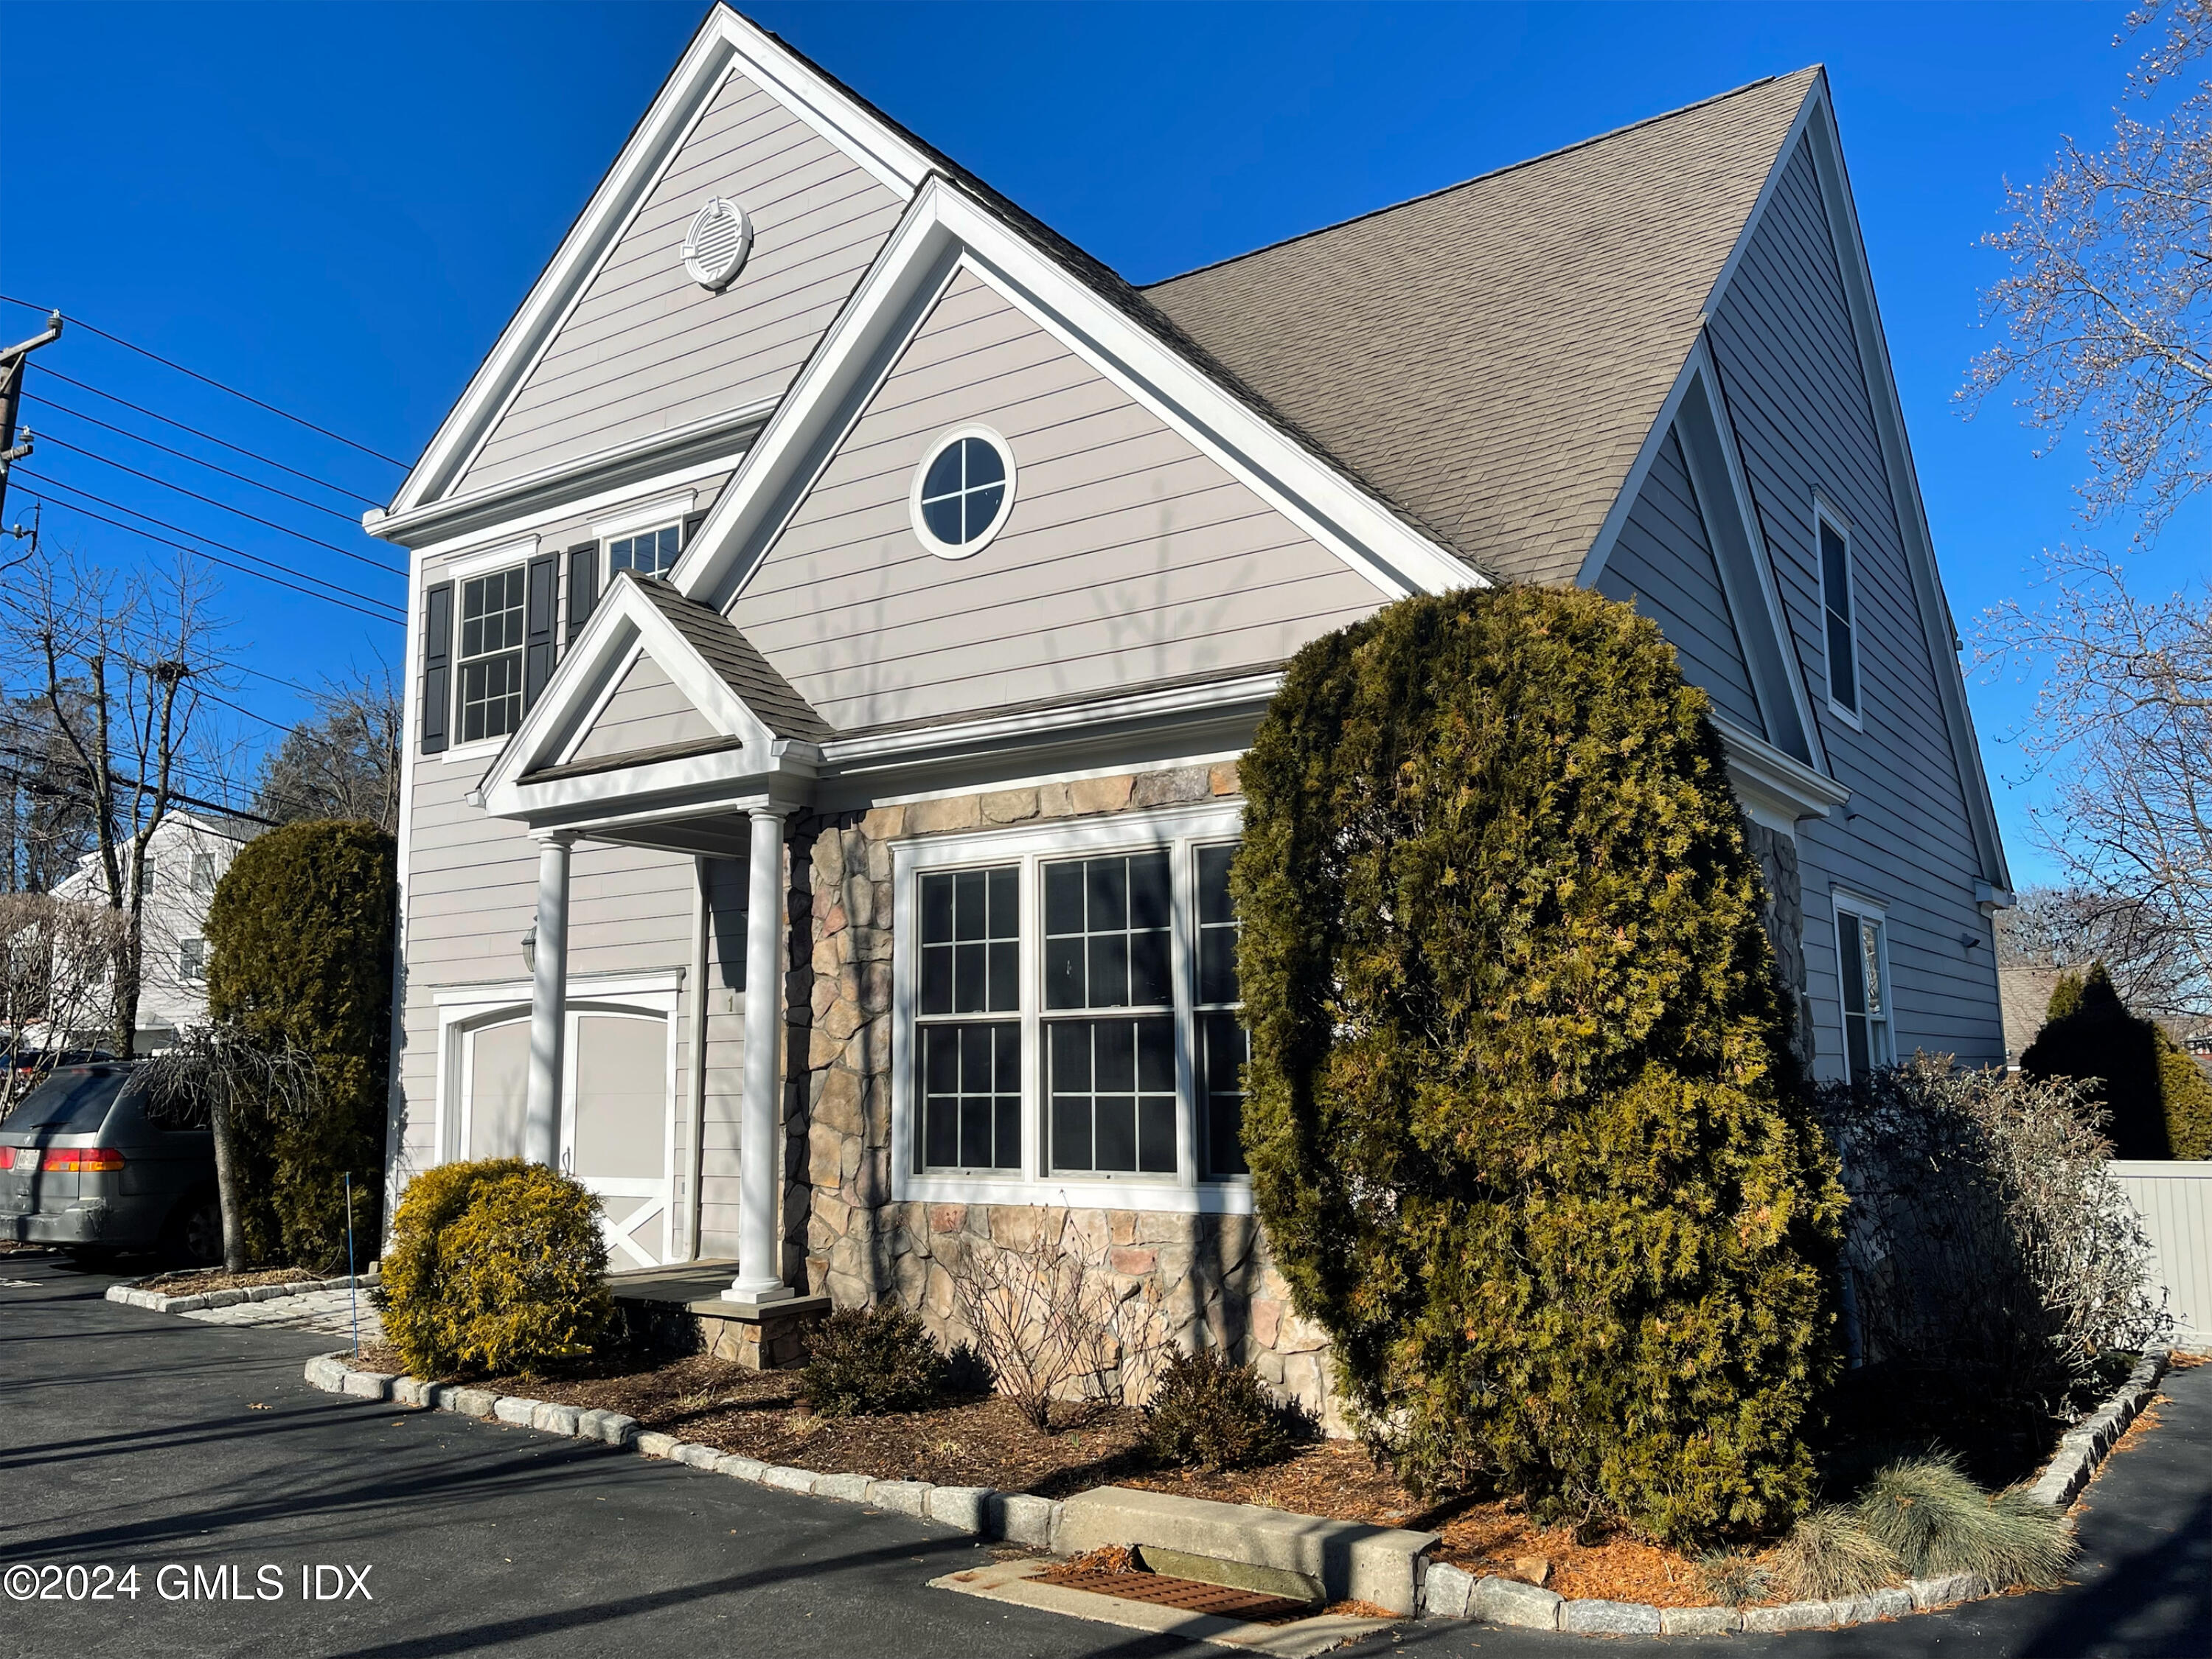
(715, 246)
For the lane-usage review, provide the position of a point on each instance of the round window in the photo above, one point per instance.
(963, 492)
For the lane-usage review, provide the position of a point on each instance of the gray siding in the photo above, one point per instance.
(645, 711)
(1663, 564)
(1128, 556)
(1802, 416)
(647, 349)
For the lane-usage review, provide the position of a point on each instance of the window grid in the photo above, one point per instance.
(1222, 1044)
(648, 552)
(1862, 961)
(970, 1090)
(963, 491)
(1109, 943)
(489, 682)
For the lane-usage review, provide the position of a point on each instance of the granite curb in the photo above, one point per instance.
(126, 1291)
(1441, 1589)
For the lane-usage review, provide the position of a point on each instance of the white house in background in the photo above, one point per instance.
(839, 604)
(184, 860)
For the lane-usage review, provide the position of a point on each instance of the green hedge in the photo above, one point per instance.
(300, 941)
(2159, 1097)
(1522, 1118)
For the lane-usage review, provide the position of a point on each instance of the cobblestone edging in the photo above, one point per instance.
(1452, 1592)
(126, 1291)
(1445, 1591)
(1016, 1517)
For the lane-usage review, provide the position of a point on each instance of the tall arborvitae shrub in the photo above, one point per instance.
(1522, 1123)
(2160, 1100)
(300, 949)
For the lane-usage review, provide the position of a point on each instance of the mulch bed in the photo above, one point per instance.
(202, 1283)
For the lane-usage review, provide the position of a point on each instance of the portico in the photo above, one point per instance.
(722, 790)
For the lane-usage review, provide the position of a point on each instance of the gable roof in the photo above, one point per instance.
(1491, 357)
(731, 655)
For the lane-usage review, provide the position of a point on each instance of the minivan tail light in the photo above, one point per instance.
(7, 1158)
(79, 1160)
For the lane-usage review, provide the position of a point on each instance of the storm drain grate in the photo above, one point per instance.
(1184, 1595)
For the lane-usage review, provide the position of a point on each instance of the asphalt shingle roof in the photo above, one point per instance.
(731, 655)
(1489, 358)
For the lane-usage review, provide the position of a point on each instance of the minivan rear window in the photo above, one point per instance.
(72, 1102)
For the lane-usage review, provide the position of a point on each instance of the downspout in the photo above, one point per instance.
(699, 1006)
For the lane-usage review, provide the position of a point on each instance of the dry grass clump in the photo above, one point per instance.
(1937, 1521)
(1830, 1555)
(1735, 1581)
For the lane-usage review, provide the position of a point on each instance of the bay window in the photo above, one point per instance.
(1067, 1015)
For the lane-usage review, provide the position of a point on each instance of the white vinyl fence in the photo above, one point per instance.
(2175, 1198)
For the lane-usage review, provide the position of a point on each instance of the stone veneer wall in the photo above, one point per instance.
(1783, 918)
(1211, 1277)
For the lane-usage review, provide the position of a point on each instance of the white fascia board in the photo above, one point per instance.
(941, 232)
(1777, 789)
(624, 622)
(682, 99)
(1826, 144)
(600, 502)
(724, 39)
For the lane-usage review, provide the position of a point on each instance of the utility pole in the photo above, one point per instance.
(11, 394)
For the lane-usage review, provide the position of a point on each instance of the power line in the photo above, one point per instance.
(156, 356)
(399, 616)
(236, 449)
(301, 535)
(186, 455)
(117, 779)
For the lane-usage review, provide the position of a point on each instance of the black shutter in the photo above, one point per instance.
(537, 624)
(437, 666)
(583, 586)
(690, 529)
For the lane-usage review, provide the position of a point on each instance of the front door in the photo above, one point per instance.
(615, 1136)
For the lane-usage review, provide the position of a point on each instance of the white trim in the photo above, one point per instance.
(944, 230)
(472, 754)
(581, 987)
(1842, 898)
(473, 565)
(652, 514)
(724, 40)
(944, 440)
(1823, 513)
(1776, 789)
(850, 754)
(545, 519)
(1175, 829)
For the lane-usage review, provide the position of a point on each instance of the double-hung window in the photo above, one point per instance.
(1863, 965)
(1839, 611)
(648, 552)
(1069, 1014)
(489, 695)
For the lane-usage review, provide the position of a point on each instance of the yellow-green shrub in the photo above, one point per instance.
(494, 1266)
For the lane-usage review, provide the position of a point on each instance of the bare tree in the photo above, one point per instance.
(118, 665)
(2123, 722)
(2108, 304)
(216, 1078)
(344, 761)
(2058, 928)
(53, 980)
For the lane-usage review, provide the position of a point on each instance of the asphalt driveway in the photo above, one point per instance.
(196, 1454)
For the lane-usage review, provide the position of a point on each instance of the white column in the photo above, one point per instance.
(760, 1278)
(549, 1002)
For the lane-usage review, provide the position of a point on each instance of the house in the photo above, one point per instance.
(184, 860)
(839, 604)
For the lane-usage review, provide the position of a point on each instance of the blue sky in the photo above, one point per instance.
(336, 207)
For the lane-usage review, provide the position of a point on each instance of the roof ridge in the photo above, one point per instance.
(1480, 178)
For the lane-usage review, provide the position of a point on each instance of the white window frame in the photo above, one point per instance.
(202, 860)
(1179, 830)
(651, 527)
(1825, 514)
(191, 968)
(1841, 900)
(461, 745)
(937, 446)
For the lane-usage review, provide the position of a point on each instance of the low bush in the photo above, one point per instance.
(864, 1361)
(1830, 1554)
(494, 1266)
(1210, 1411)
(1936, 1521)
(1735, 1580)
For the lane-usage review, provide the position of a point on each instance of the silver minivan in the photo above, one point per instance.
(83, 1167)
